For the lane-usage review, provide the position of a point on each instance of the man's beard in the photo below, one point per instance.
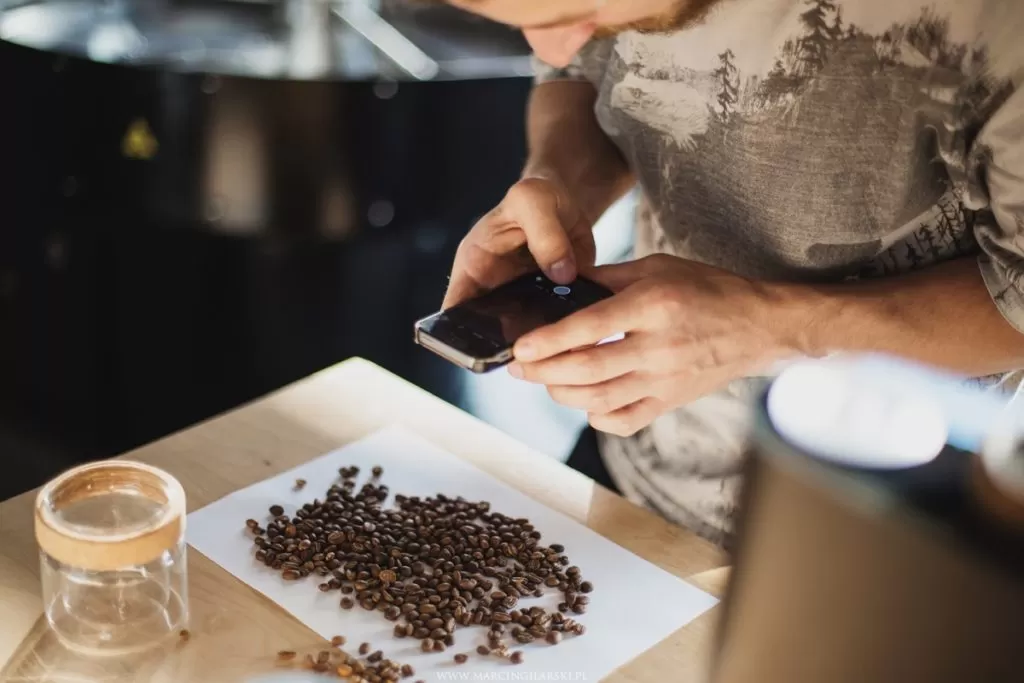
(685, 13)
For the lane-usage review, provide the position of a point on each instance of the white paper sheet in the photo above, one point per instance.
(634, 606)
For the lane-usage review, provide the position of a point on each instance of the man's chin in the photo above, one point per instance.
(686, 13)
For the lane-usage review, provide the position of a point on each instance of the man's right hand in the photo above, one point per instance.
(537, 224)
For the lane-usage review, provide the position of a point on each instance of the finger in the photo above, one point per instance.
(606, 397)
(617, 315)
(629, 420)
(479, 268)
(536, 212)
(619, 276)
(591, 365)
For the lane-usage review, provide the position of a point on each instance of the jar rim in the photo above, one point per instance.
(152, 482)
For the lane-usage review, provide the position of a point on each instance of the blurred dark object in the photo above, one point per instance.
(848, 575)
(179, 239)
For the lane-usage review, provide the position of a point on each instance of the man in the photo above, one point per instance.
(818, 176)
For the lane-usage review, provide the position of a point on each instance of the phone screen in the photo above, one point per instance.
(493, 322)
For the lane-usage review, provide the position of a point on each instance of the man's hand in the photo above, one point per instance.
(690, 329)
(537, 224)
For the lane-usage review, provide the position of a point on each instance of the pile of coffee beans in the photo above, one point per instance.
(431, 565)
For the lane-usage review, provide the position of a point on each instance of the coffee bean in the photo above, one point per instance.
(461, 658)
(300, 484)
(427, 645)
(483, 650)
(437, 563)
(364, 648)
(516, 657)
(375, 656)
(338, 641)
(377, 471)
(438, 646)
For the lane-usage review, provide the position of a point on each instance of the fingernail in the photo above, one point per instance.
(563, 272)
(515, 370)
(525, 351)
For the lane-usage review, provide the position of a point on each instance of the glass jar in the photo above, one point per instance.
(112, 544)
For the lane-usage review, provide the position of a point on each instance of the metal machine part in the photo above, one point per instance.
(279, 39)
(848, 569)
(212, 199)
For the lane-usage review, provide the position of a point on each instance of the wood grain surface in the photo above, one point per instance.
(235, 632)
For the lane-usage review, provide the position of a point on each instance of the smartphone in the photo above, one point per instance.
(479, 334)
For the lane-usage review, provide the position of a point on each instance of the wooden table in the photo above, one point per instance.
(235, 631)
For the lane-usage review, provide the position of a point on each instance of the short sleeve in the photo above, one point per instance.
(544, 73)
(998, 157)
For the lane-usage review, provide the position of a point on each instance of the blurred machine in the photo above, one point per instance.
(205, 200)
(891, 572)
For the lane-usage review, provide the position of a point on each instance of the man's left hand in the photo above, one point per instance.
(689, 329)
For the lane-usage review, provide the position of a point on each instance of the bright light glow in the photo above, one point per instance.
(838, 413)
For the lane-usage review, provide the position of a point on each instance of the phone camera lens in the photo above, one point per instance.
(562, 290)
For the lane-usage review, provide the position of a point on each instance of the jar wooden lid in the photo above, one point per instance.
(110, 543)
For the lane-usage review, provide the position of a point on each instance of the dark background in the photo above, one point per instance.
(129, 311)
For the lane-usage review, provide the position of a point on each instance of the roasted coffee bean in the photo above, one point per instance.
(252, 524)
(300, 484)
(427, 645)
(436, 563)
(377, 471)
(439, 646)
(461, 658)
(338, 641)
(375, 656)
(516, 657)
(483, 650)
(524, 637)
(553, 637)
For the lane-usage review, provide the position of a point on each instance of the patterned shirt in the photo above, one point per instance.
(809, 140)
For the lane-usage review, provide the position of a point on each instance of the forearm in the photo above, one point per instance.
(943, 316)
(565, 141)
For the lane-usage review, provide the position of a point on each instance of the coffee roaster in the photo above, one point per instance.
(203, 201)
(882, 531)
